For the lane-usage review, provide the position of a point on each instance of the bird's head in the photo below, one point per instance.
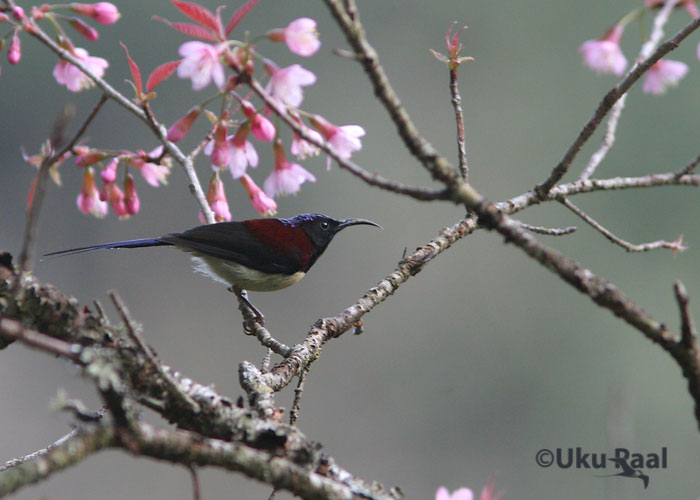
(321, 229)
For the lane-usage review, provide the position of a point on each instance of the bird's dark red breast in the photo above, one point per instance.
(267, 245)
(283, 238)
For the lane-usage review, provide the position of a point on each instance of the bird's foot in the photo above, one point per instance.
(257, 315)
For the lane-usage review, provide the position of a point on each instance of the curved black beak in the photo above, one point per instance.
(355, 222)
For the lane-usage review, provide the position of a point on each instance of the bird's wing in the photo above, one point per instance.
(232, 241)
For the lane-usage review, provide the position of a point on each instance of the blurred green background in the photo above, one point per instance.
(478, 362)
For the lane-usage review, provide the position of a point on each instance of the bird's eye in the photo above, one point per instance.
(324, 225)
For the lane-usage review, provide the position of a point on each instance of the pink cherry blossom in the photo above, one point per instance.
(302, 148)
(153, 173)
(344, 139)
(663, 75)
(73, 78)
(286, 83)
(202, 63)
(604, 55)
(88, 200)
(287, 177)
(261, 202)
(240, 152)
(300, 36)
(102, 12)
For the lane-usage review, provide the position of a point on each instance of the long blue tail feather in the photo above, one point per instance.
(144, 242)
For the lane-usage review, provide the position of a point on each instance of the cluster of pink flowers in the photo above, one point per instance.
(604, 55)
(154, 168)
(241, 125)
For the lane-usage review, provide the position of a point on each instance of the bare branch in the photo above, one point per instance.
(643, 247)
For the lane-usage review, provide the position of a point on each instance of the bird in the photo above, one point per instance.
(628, 471)
(259, 255)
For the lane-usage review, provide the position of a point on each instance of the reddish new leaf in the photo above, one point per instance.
(189, 29)
(135, 71)
(161, 73)
(238, 16)
(199, 14)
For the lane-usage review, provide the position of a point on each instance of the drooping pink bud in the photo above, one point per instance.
(216, 197)
(262, 203)
(14, 53)
(109, 173)
(219, 156)
(179, 129)
(262, 128)
(87, 31)
(88, 200)
(18, 13)
(131, 199)
(102, 12)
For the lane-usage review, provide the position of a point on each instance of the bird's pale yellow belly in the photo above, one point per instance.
(243, 277)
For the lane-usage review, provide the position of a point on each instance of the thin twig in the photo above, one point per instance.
(688, 333)
(39, 453)
(520, 202)
(348, 20)
(630, 247)
(196, 494)
(296, 405)
(608, 140)
(688, 168)
(459, 118)
(608, 101)
(549, 231)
